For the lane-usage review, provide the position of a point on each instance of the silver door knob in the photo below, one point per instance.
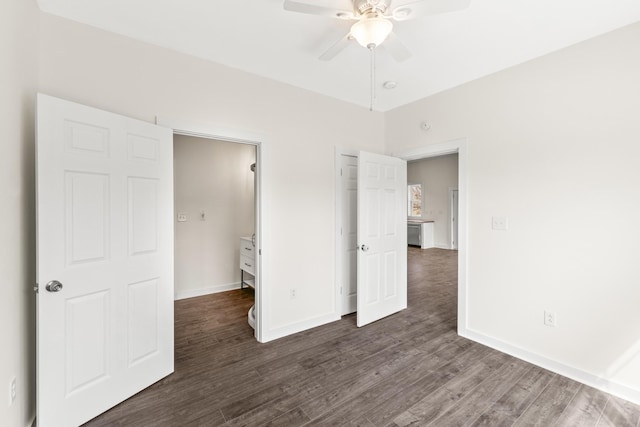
(54, 286)
(364, 248)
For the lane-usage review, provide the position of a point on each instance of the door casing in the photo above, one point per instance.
(208, 131)
(458, 146)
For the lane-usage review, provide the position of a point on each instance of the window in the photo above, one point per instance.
(415, 199)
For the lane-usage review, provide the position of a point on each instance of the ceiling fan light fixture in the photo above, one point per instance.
(371, 31)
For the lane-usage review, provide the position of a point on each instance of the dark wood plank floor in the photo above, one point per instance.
(408, 369)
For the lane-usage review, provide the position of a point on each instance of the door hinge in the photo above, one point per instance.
(340, 290)
(36, 288)
(340, 171)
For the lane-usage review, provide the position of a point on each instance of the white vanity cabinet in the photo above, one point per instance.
(426, 235)
(247, 262)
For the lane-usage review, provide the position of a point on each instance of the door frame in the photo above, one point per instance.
(210, 131)
(453, 244)
(458, 146)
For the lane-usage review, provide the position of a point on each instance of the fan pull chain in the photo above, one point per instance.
(372, 48)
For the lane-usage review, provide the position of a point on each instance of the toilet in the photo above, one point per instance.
(251, 316)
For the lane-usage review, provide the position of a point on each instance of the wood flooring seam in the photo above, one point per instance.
(515, 422)
(497, 398)
(444, 386)
(602, 413)
(568, 406)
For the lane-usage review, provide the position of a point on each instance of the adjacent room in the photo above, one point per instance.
(151, 147)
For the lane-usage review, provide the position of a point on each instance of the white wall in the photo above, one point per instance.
(437, 175)
(553, 146)
(299, 130)
(214, 177)
(18, 76)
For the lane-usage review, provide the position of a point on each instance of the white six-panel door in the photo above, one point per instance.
(382, 236)
(105, 233)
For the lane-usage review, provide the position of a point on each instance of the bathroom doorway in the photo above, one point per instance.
(215, 196)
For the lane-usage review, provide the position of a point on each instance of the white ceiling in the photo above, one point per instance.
(260, 37)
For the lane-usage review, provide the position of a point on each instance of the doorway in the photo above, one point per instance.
(214, 201)
(247, 139)
(436, 177)
(435, 150)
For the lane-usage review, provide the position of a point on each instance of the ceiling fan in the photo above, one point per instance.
(373, 18)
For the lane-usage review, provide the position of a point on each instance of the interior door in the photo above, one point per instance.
(104, 259)
(348, 232)
(382, 236)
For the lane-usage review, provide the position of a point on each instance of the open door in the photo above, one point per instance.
(104, 259)
(348, 233)
(382, 236)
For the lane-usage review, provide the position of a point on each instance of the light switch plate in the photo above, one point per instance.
(182, 217)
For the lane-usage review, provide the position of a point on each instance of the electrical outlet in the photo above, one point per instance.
(499, 223)
(12, 391)
(292, 293)
(550, 318)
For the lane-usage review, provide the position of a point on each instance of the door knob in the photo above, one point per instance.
(54, 286)
(364, 248)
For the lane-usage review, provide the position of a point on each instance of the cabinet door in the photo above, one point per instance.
(413, 235)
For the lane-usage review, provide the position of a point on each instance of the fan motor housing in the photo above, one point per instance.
(366, 6)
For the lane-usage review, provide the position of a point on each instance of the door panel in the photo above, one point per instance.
(86, 343)
(143, 320)
(143, 215)
(382, 237)
(86, 200)
(105, 231)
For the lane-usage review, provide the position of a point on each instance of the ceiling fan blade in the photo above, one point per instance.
(336, 48)
(295, 6)
(396, 48)
(427, 7)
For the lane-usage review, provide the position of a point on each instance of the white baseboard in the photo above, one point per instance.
(603, 384)
(191, 293)
(442, 247)
(298, 327)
